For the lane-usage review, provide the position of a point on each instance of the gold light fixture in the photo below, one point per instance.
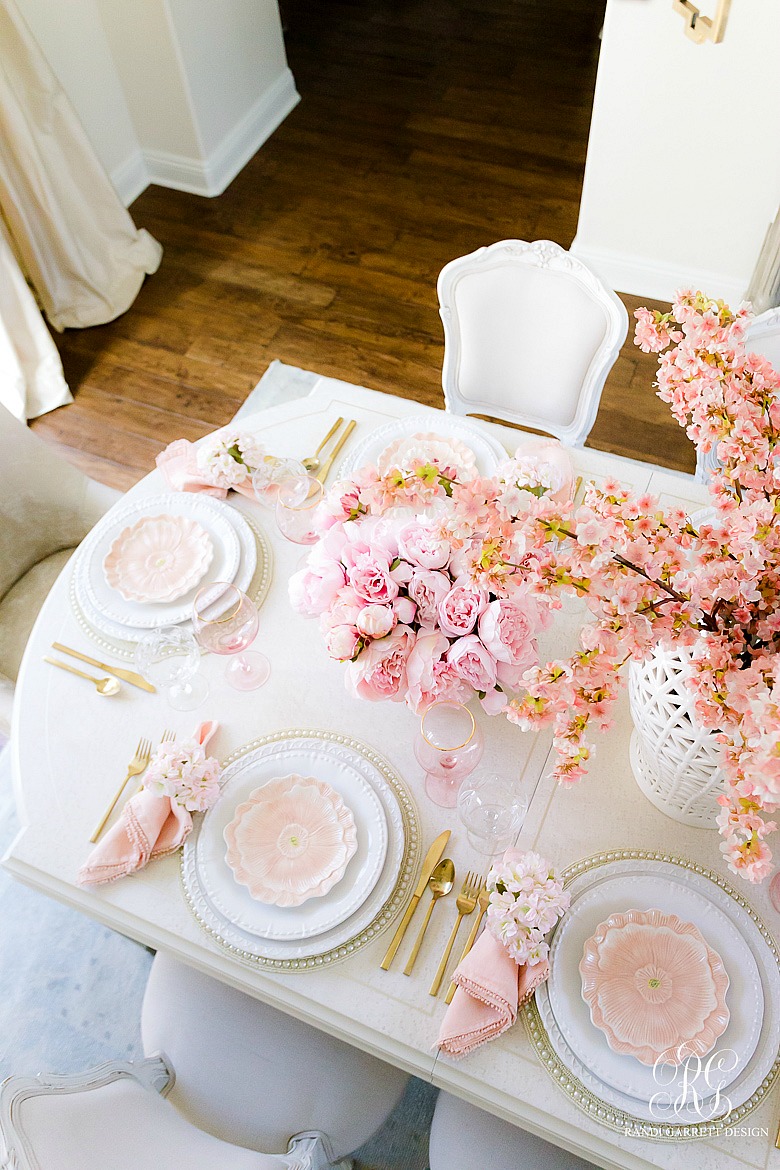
(703, 28)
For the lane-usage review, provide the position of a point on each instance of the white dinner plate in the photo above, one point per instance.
(213, 515)
(744, 998)
(316, 915)
(235, 559)
(668, 886)
(378, 908)
(488, 451)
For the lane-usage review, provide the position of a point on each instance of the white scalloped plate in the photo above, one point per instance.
(377, 910)
(315, 916)
(235, 558)
(745, 997)
(488, 451)
(615, 1108)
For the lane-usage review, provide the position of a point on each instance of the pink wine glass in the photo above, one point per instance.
(449, 747)
(225, 622)
(296, 503)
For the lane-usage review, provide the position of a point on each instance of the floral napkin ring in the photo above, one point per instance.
(182, 771)
(526, 900)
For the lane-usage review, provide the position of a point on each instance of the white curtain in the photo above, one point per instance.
(71, 235)
(31, 377)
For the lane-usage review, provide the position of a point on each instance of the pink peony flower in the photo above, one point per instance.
(422, 545)
(380, 671)
(506, 629)
(370, 577)
(374, 621)
(427, 588)
(313, 590)
(460, 609)
(429, 675)
(405, 610)
(473, 662)
(343, 642)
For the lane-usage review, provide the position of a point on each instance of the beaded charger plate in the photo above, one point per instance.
(365, 924)
(257, 590)
(620, 1112)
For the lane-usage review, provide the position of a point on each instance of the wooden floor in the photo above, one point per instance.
(426, 129)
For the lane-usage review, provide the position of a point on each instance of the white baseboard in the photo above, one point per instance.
(643, 277)
(130, 178)
(210, 176)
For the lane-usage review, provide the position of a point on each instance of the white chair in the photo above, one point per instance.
(763, 336)
(530, 335)
(253, 1075)
(46, 508)
(466, 1138)
(114, 1118)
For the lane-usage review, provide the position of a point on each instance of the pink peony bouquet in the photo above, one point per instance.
(526, 900)
(400, 598)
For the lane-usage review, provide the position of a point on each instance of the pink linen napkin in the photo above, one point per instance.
(491, 987)
(150, 826)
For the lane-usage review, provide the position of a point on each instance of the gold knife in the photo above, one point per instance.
(432, 859)
(322, 474)
(129, 676)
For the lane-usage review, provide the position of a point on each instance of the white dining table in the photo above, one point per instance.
(70, 747)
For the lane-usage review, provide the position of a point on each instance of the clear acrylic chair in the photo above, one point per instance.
(464, 1137)
(530, 334)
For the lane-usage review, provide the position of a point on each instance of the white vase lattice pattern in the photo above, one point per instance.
(675, 761)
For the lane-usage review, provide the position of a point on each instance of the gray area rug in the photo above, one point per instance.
(71, 990)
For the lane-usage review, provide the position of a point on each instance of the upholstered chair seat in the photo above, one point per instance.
(114, 1118)
(253, 1075)
(46, 508)
(466, 1138)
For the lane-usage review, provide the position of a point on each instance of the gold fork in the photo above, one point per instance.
(465, 903)
(167, 737)
(484, 898)
(136, 766)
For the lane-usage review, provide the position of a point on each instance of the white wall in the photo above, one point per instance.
(176, 92)
(74, 42)
(683, 168)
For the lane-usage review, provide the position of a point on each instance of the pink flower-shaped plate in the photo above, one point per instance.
(291, 840)
(158, 559)
(653, 985)
(430, 448)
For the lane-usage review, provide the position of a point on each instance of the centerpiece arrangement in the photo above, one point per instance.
(430, 587)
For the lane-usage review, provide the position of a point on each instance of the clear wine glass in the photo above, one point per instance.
(269, 477)
(296, 503)
(169, 657)
(225, 621)
(448, 746)
(492, 809)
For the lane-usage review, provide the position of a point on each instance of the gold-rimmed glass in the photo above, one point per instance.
(448, 746)
(225, 621)
(296, 503)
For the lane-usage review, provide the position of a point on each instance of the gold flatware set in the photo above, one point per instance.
(108, 686)
(438, 876)
(314, 464)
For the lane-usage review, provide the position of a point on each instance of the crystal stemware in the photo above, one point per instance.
(169, 656)
(225, 621)
(271, 474)
(448, 746)
(296, 503)
(492, 809)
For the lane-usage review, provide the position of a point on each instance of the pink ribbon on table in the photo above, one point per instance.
(490, 989)
(178, 464)
(150, 826)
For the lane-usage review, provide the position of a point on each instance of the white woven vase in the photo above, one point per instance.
(675, 761)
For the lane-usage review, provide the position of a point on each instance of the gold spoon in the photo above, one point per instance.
(312, 462)
(440, 883)
(104, 686)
